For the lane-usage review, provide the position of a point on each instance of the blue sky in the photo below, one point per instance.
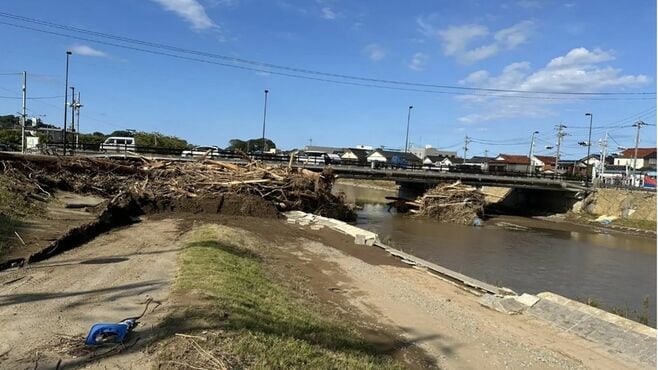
(527, 45)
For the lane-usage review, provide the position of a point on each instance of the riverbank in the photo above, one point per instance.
(253, 292)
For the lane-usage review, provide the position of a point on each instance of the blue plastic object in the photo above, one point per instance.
(103, 333)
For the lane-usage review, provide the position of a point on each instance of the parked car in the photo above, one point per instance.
(311, 157)
(118, 144)
(200, 151)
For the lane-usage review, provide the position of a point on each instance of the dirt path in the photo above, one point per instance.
(106, 280)
(446, 322)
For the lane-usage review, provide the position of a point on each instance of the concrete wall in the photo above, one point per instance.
(635, 205)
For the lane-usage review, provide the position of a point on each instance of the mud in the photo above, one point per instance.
(126, 210)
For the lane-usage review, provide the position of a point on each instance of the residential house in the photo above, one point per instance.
(646, 158)
(438, 161)
(509, 163)
(543, 164)
(478, 162)
(571, 167)
(393, 158)
(323, 149)
(429, 151)
(355, 156)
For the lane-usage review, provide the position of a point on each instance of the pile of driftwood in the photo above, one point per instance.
(170, 181)
(456, 203)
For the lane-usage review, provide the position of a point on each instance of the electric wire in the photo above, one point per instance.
(261, 65)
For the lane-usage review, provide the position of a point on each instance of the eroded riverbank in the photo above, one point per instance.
(615, 270)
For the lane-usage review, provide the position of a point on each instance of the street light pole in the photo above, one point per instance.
(589, 146)
(66, 96)
(532, 150)
(262, 149)
(406, 141)
(24, 112)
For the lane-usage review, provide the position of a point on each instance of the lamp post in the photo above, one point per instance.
(262, 149)
(532, 150)
(406, 141)
(589, 147)
(66, 95)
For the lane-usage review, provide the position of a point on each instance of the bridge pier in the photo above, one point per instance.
(412, 190)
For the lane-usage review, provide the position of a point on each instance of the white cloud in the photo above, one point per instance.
(328, 13)
(516, 35)
(375, 52)
(191, 11)
(458, 41)
(419, 61)
(579, 70)
(581, 56)
(88, 51)
(456, 38)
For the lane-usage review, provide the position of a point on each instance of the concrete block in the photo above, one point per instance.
(507, 305)
(360, 239)
(527, 299)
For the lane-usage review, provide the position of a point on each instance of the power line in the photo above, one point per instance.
(259, 66)
(32, 98)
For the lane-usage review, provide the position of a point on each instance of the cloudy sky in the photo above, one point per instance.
(341, 72)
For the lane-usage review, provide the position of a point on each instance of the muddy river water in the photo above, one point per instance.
(614, 269)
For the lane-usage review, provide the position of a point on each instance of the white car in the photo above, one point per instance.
(118, 144)
(200, 151)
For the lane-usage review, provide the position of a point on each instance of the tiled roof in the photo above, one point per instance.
(513, 159)
(641, 152)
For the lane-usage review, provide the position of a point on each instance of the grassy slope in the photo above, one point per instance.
(263, 324)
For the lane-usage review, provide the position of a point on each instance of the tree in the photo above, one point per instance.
(123, 133)
(9, 121)
(251, 145)
(156, 139)
(10, 136)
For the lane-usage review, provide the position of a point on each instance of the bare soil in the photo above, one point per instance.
(46, 307)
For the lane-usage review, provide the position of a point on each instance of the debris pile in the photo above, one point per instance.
(456, 203)
(166, 185)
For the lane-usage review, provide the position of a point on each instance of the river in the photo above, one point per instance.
(615, 270)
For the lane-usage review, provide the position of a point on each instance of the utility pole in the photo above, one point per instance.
(466, 142)
(72, 114)
(604, 154)
(262, 149)
(532, 151)
(406, 140)
(589, 147)
(24, 113)
(638, 124)
(560, 135)
(78, 105)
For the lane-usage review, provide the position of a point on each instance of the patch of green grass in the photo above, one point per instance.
(636, 224)
(264, 324)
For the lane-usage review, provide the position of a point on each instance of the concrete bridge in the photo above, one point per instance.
(424, 177)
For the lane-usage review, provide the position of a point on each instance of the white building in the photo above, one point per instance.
(429, 151)
(646, 158)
